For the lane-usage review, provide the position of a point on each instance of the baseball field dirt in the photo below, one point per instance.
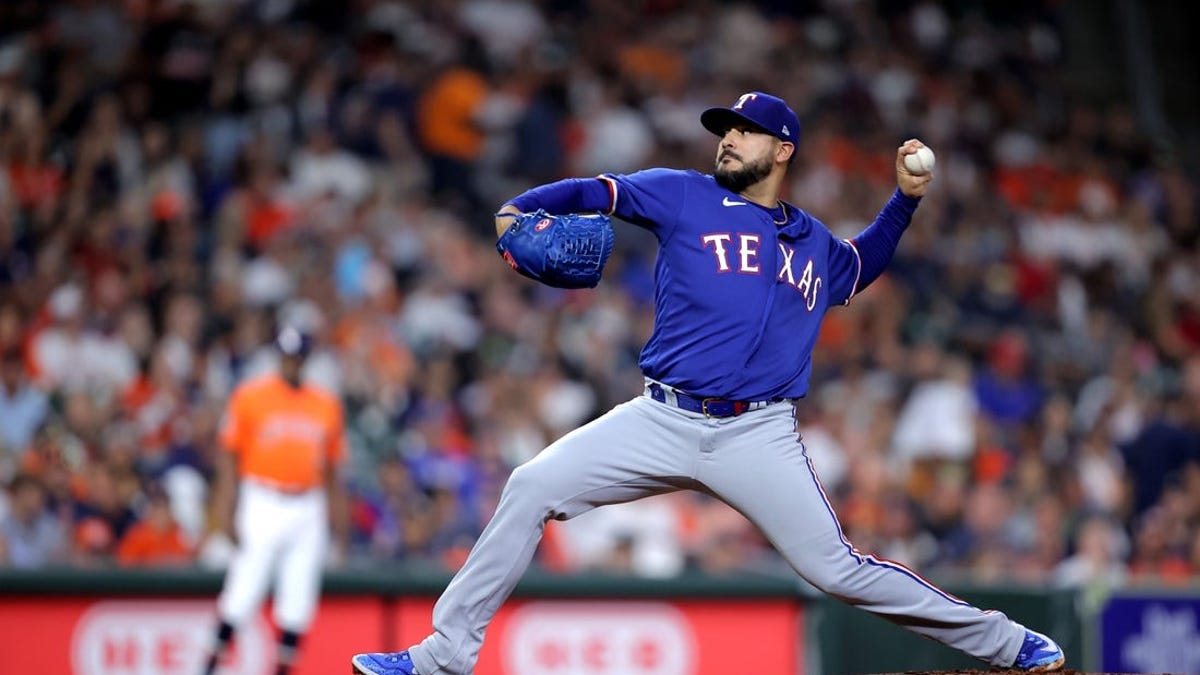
(993, 671)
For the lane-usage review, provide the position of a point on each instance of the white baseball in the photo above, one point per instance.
(920, 162)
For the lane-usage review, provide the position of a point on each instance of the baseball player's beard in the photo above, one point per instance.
(290, 370)
(737, 180)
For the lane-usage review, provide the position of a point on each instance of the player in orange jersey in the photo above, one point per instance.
(282, 441)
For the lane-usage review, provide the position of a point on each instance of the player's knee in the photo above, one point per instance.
(529, 485)
(520, 481)
(831, 580)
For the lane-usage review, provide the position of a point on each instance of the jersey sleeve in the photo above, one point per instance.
(231, 435)
(845, 270)
(652, 199)
(335, 444)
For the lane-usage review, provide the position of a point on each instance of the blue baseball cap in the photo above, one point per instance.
(768, 113)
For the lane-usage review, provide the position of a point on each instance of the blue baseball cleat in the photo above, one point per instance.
(1039, 654)
(395, 663)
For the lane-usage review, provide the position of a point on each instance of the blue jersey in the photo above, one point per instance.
(739, 299)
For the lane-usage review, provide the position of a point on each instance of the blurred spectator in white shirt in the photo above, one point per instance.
(640, 537)
(938, 419)
(30, 536)
(1099, 548)
(70, 356)
(321, 168)
(22, 410)
(618, 137)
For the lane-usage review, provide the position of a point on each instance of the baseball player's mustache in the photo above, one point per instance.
(729, 154)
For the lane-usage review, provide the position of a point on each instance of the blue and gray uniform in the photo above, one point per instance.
(740, 294)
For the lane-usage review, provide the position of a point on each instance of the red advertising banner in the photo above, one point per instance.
(167, 636)
(631, 637)
(170, 636)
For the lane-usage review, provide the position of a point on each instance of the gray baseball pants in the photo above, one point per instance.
(755, 463)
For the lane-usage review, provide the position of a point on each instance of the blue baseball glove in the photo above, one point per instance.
(567, 251)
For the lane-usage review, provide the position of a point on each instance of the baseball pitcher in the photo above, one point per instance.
(743, 280)
(282, 441)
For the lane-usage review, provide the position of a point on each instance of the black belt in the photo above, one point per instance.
(709, 407)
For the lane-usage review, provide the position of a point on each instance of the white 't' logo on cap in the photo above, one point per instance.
(785, 131)
(742, 100)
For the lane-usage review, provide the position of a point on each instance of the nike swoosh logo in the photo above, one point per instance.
(728, 202)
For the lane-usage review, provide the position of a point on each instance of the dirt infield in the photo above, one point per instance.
(993, 671)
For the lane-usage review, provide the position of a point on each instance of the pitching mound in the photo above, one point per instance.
(993, 671)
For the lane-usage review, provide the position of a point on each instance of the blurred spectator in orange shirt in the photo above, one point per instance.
(447, 125)
(156, 539)
(102, 516)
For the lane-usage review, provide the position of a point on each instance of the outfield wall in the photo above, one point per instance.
(153, 622)
(158, 623)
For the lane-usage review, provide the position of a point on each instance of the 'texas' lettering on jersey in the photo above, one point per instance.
(745, 261)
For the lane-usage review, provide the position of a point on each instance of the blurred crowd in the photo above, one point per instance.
(1017, 399)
